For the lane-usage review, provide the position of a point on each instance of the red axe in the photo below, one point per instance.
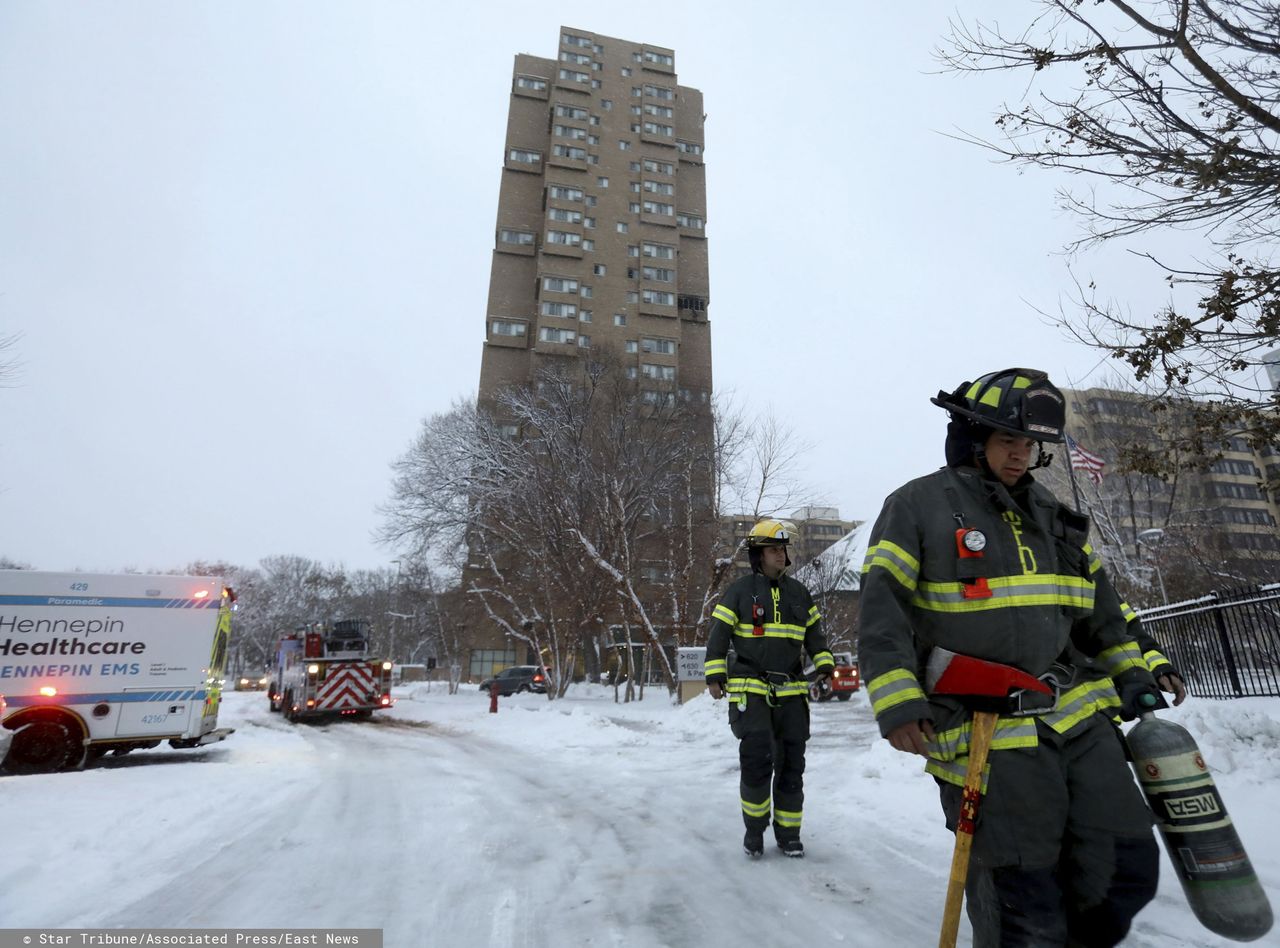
(981, 685)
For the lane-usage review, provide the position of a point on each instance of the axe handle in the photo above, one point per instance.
(984, 727)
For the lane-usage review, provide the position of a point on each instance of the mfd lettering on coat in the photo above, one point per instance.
(1025, 554)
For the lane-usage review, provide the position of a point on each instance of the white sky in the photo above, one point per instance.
(574, 822)
(247, 248)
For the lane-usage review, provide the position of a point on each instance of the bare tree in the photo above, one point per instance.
(1170, 107)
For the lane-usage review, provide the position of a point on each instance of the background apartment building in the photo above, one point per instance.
(600, 240)
(600, 248)
(1211, 526)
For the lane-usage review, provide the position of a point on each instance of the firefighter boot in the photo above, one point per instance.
(792, 847)
(753, 844)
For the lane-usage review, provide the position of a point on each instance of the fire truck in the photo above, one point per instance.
(324, 670)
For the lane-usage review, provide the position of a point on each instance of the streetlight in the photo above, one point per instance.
(1154, 536)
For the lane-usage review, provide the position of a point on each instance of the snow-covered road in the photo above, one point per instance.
(575, 822)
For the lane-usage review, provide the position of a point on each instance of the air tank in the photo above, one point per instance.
(1201, 840)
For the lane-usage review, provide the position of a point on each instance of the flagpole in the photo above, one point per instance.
(1071, 473)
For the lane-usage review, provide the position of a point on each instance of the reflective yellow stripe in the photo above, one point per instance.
(955, 771)
(814, 616)
(892, 689)
(1120, 658)
(716, 666)
(724, 614)
(1127, 611)
(1047, 589)
(755, 686)
(1154, 660)
(886, 554)
(953, 743)
(787, 818)
(822, 659)
(756, 809)
(1080, 702)
(774, 629)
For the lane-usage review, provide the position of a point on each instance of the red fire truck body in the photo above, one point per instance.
(325, 669)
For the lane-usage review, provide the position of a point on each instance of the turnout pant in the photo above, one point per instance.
(1063, 853)
(771, 761)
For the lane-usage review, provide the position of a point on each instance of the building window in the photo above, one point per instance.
(569, 151)
(659, 297)
(661, 111)
(633, 166)
(637, 110)
(531, 82)
(658, 398)
(588, 244)
(551, 334)
(635, 127)
(626, 70)
(661, 59)
(521, 237)
(659, 167)
(591, 200)
(584, 315)
(606, 104)
(659, 274)
(572, 75)
(632, 346)
(688, 148)
(660, 92)
(664, 373)
(594, 120)
(633, 296)
(569, 131)
(603, 182)
(584, 342)
(657, 207)
(559, 310)
(562, 193)
(632, 372)
(599, 269)
(573, 39)
(691, 221)
(585, 292)
(571, 112)
(506, 327)
(653, 128)
(633, 251)
(564, 214)
(636, 92)
(661, 346)
(589, 223)
(620, 319)
(595, 83)
(622, 227)
(524, 157)
(659, 251)
(660, 187)
(623, 144)
(564, 238)
(486, 662)
(634, 207)
(560, 284)
(581, 59)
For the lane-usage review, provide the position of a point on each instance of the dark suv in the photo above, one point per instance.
(518, 678)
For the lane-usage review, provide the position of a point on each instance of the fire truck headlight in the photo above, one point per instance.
(386, 666)
(313, 669)
(48, 692)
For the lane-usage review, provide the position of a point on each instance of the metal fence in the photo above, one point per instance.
(1225, 644)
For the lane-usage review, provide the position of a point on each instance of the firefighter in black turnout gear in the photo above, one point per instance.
(980, 560)
(767, 618)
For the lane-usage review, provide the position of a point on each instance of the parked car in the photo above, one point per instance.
(845, 679)
(518, 679)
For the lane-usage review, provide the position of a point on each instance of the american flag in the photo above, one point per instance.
(1082, 460)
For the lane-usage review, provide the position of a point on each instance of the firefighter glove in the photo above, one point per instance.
(1138, 697)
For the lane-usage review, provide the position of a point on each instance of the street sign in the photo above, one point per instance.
(690, 663)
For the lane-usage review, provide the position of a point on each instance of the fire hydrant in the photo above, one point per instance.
(493, 699)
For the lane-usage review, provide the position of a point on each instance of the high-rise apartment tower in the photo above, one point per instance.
(600, 240)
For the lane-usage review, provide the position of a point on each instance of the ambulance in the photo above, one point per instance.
(96, 663)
